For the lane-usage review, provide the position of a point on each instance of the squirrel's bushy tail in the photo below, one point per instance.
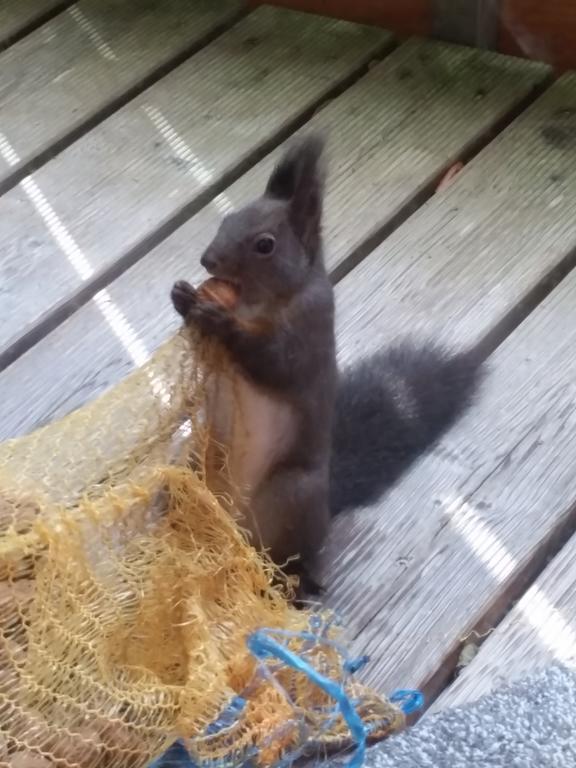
(391, 408)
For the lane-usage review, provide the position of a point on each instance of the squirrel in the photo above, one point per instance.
(315, 441)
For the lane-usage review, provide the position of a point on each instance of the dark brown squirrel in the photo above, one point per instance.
(315, 442)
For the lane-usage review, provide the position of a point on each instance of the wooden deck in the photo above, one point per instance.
(127, 128)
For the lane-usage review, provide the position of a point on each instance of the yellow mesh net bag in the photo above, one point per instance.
(129, 595)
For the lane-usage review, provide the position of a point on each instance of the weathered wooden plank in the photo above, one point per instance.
(405, 572)
(501, 228)
(539, 630)
(110, 191)
(60, 77)
(389, 136)
(474, 253)
(417, 572)
(17, 15)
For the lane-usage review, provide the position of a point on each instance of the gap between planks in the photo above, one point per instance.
(421, 196)
(506, 471)
(456, 268)
(440, 685)
(474, 520)
(90, 61)
(539, 630)
(158, 160)
(61, 311)
(21, 17)
(378, 137)
(481, 251)
(455, 271)
(486, 89)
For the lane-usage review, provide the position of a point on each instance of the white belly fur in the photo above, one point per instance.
(255, 429)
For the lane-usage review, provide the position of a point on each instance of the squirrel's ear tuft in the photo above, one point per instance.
(299, 180)
(300, 166)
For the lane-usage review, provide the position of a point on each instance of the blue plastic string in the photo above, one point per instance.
(175, 757)
(408, 701)
(309, 638)
(355, 665)
(228, 717)
(263, 646)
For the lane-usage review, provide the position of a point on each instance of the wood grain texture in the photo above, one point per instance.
(17, 15)
(504, 224)
(112, 189)
(64, 73)
(404, 578)
(389, 136)
(539, 630)
(415, 573)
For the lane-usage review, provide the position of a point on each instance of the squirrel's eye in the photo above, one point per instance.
(265, 244)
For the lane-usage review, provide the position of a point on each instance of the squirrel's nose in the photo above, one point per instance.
(208, 261)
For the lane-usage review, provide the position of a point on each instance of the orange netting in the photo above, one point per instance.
(128, 593)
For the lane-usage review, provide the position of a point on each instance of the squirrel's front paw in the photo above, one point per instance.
(184, 297)
(210, 319)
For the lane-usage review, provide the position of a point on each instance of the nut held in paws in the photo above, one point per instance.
(219, 292)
